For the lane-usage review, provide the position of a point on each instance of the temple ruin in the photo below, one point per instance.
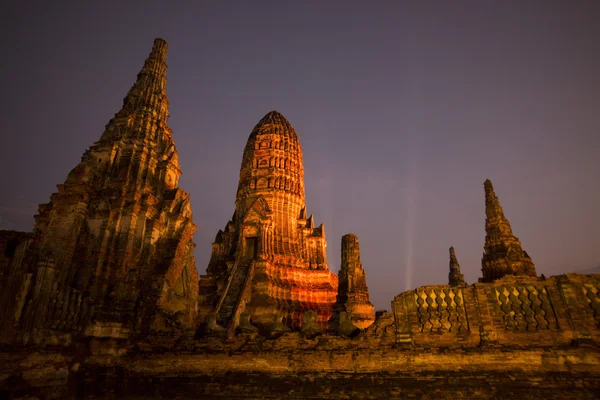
(103, 298)
(270, 259)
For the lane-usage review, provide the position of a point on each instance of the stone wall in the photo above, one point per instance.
(14, 280)
(13, 246)
(518, 337)
(513, 311)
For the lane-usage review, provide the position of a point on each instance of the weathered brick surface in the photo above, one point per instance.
(111, 254)
(14, 280)
(503, 254)
(324, 370)
(353, 293)
(270, 258)
(102, 300)
(455, 277)
(513, 311)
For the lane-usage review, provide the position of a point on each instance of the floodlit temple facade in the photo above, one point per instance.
(270, 258)
(103, 298)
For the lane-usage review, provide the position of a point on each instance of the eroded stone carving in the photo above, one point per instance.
(592, 295)
(245, 325)
(310, 326)
(441, 309)
(525, 308)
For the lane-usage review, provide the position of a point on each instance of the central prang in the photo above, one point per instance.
(272, 170)
(270, 260)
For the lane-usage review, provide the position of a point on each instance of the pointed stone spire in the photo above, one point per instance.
(353, 293)
(149, 92)
(496, 223)
(120, 226)
(146, 106)
(503, 254)
(455, 277)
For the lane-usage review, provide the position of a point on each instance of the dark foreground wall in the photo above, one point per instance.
(382, 385)
(321, 368)
(524, 338)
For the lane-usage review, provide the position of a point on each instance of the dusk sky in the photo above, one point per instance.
(402, 110)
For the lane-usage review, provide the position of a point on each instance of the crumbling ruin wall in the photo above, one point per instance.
(14, 279)
(513, 311)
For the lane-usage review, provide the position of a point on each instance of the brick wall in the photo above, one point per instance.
(513, 311)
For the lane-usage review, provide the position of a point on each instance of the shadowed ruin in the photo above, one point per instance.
(103, 299)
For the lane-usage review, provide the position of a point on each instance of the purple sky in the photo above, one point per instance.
(402, 110)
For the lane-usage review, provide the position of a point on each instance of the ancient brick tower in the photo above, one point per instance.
(112, 253)
(503, 254)
(353, 294)
(271, 258)
(455, 277)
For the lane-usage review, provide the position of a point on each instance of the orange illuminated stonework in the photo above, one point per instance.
(270, 259)
(102, 299)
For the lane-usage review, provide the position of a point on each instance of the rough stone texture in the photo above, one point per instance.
(270, 258)
(112, 252)
(310, 326)
(353, 294)
(101, 299)
(320, 369)
(502, 254)
(455, 277)
(513, 311)
(13, 246)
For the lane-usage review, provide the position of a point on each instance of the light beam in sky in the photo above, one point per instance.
(411, 198)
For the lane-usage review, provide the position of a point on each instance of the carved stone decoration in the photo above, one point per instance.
(592, 296)
(503, 254)
(245, 325)
(277, 326)
(270, 256)
(525, 308)
(346, 327)
(441, 310)
(353, 293)
(310, 327)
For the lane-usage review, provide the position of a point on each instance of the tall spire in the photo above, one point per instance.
(120, 225)
(503, 254)
(272, 169)
(146, 106)
(142, 118)
(496, 223)
(455, 277)
(149, 92)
